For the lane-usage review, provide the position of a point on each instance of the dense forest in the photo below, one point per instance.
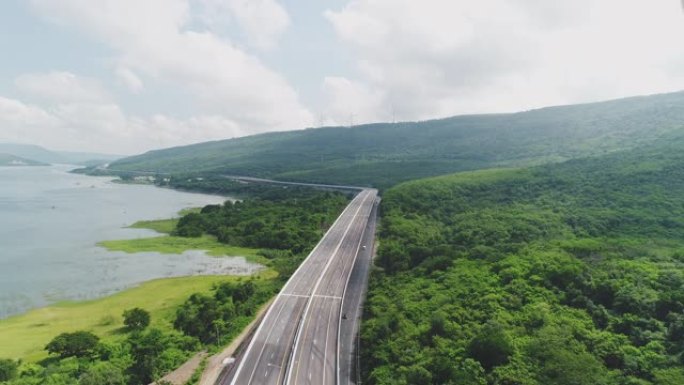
(384, 154)
(567, 274)
(285, 223)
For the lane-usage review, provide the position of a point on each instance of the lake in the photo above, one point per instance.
(51, 220)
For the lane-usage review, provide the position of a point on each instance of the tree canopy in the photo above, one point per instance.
(561, 274)
(76, 344)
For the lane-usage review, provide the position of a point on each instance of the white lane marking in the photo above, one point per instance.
(308, 305)
(325, 348)
(261, 353)
(295, 295)
(344, 212)
(268, 312)
(327, 296)
(344, 292)
(305, 316)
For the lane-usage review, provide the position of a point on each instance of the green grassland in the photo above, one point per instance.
(164, 226)
(169, 244)
(24, 336)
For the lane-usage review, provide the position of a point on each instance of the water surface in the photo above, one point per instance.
(50, 222)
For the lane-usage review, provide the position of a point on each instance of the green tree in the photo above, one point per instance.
(146, 350)
(418, 375)
(8, 369)
(491, 347)
(670, 376)
(103, 373)
(565, 367)
(136, 318)
(195, 317)
(191, 225)
(76, 344)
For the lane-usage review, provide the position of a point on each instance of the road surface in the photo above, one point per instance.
(347, 355)
(296, 343)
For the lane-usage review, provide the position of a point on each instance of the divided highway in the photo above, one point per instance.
(297, 341)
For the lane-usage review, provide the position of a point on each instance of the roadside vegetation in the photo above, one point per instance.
(138, 335)
(562, 274)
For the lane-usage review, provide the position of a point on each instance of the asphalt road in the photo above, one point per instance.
(296, 343)
(347, 355)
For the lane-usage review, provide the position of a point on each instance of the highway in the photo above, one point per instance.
(297, 341)
(354, 296)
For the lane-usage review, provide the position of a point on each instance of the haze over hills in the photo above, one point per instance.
(387, 153)
(42, 155)
(12, 160)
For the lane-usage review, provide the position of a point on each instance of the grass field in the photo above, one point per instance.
(24, 336)
(164, 226)
(169, 244)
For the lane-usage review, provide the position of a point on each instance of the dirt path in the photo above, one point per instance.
(215, 362)
(181, 375)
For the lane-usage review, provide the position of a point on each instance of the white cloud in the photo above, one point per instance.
(104, 127)
(153, 40)
(350, 102)
(411, 60)
(129, 79)
(443, 57)
(61, 86)
(262, 21)
(14, 113)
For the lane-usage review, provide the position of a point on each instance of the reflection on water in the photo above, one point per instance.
(50, 222)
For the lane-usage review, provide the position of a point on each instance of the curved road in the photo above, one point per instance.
(297, 341)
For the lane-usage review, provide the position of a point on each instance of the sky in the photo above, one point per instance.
(128, 76)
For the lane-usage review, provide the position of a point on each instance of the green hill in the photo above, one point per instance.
(384, 154)
(569, 273)
(11, 160)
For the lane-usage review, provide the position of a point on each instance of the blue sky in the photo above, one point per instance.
(126, 76)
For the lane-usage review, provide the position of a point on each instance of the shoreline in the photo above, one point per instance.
(24, 335)
(166, 243)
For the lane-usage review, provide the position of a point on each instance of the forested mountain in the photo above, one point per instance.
(562, 274)
(384, 154)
